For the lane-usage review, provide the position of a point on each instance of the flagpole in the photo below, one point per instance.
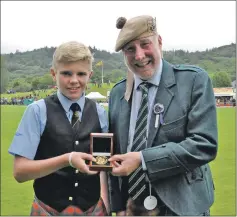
(102, 80)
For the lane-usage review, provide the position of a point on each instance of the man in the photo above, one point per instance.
(163, 118)
(51, 145)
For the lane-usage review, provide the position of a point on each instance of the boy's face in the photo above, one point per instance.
(72, 78)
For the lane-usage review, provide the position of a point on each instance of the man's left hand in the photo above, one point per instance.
(128, 163)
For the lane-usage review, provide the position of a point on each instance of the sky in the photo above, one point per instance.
(186, 25)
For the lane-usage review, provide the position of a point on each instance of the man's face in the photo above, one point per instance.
(71, 78)
(142, 56)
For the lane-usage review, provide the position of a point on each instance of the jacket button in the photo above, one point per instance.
(76, 143)
(76, 184)
(70, 198)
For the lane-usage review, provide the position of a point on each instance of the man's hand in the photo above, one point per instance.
(78, 161)
(128, 163)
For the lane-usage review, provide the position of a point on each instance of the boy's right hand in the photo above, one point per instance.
(78, 161)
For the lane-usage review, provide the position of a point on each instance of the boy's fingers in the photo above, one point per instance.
(86, 156)
(92, 172)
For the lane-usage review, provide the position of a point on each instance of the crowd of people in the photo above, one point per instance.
(23, 100)
(225, 101)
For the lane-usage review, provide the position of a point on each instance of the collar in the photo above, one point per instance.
(66, 103)
(134, 79)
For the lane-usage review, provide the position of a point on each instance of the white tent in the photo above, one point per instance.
(225, 94)
(95, 95)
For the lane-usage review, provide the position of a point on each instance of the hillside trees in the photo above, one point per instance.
(33, 66)
(4, 75)
(221, 79)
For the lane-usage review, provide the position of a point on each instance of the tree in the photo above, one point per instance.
(96, 77)
(23, 87)
(16, 84)
(115, 75)
(35, 82)
(45, 81)
(221, 79)
(4, 76)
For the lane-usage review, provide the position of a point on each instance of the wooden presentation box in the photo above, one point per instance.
(101, 147)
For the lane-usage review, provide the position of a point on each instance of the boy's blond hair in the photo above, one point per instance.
(71, 52)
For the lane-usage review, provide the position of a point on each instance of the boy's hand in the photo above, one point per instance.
(78, 161)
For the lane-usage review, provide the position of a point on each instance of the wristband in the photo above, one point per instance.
(70, 159)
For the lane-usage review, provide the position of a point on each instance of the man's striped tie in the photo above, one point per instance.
(136, 181)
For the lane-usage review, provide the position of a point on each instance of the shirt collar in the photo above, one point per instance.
(66, 103)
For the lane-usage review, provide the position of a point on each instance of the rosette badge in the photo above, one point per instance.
(158, 108)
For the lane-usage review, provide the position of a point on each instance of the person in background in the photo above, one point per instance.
(163, 117)
(51, 144)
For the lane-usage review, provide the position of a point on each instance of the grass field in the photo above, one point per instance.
(16, 198)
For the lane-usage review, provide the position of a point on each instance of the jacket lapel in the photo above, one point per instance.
(124, 119)
(164, 96)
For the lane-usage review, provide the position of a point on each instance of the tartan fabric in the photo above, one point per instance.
(40, 209)
(133, 209)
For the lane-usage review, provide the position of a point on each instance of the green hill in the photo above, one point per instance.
(31, 66)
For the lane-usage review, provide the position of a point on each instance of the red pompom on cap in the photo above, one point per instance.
(120, 22)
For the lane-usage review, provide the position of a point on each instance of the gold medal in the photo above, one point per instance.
(101, 160)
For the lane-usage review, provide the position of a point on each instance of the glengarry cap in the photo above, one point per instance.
(134, 28)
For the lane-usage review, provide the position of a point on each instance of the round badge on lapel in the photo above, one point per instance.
(158, 108)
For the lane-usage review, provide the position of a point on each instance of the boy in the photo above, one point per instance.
(51, 144)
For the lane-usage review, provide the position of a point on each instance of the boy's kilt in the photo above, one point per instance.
(41, 209)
